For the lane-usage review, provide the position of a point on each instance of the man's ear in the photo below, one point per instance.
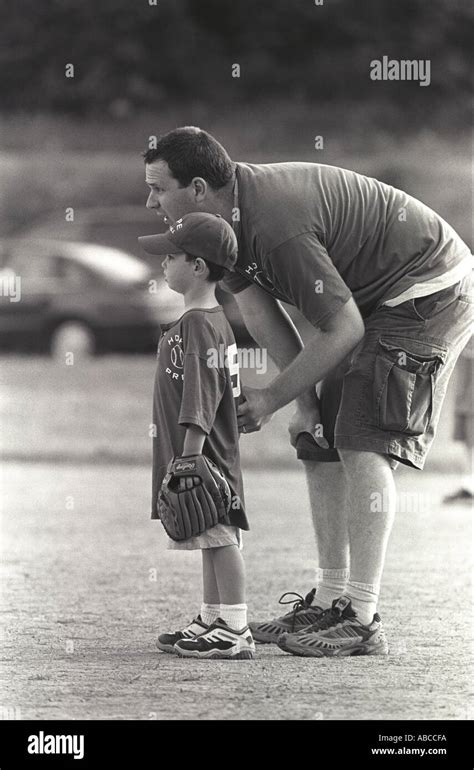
(200, 188)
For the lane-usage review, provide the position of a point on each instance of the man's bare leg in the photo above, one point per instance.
(327, 488)
(352, 627)
(372, 496)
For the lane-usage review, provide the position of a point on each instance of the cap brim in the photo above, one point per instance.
(158, 244)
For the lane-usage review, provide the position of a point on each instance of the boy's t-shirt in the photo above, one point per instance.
(197, 383)
(314, 235)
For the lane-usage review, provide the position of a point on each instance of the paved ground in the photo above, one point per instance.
(88, 583)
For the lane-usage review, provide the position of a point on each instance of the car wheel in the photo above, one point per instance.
(73, 337)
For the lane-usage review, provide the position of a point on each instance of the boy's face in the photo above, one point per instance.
(179, 273)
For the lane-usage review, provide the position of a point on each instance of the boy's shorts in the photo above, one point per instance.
(386, 396)
(216, 537)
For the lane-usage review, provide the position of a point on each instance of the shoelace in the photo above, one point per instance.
(330, 617)
(302, 603)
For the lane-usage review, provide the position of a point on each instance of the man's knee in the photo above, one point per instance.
(355, 458)
(317, 468)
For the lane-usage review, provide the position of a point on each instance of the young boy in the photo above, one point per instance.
(194, 410)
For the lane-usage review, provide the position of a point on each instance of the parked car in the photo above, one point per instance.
(61, 296)
(119, 227)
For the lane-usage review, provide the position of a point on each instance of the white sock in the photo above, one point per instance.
(235, 615)
(364, 597)
(209, 613)
(331, 584)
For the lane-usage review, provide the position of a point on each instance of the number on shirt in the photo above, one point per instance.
(232, 359)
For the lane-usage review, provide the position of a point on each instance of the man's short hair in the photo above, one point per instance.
(216, 272)
(191, 152)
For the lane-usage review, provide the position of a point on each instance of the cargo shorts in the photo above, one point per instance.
(386, 395)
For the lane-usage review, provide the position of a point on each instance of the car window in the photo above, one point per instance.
(31, 262)
(70, 272)
(123, 235)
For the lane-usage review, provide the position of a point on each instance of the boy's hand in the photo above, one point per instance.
(188, 482)
(187, 508)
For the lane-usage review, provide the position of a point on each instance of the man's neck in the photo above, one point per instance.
(223, 201)
(200, 297)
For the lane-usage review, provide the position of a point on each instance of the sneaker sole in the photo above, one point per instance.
(307, 652)
(264, 637)
(165, 647)
(215, 655)
(269, 637)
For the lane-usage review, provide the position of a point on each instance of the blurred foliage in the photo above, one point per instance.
(142, 69)
(39, 184)
(129, 55)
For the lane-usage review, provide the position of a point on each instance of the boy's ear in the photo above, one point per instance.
(200, 266)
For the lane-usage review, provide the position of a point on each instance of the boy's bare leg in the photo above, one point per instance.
(229, 569)
(232, 637)
(210, 588)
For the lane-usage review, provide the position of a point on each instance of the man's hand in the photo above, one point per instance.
(255, 411)
(307, 421)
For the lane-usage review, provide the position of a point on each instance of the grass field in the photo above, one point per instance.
(100, 411)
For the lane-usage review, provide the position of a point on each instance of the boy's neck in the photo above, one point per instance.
(200, 296)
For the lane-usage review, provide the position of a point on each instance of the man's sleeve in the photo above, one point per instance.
(302, 270)
(234, 282)
(204, 381)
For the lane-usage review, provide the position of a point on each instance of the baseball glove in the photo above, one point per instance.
(185, 513)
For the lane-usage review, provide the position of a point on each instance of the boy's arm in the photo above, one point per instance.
(193, 445)
(193, 440)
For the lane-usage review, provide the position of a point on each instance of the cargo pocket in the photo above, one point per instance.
(404, 384)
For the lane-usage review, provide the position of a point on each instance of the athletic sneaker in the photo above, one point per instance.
(166, 642)
(303, 615)
(337, 632)
(219, 641)
(462, 495)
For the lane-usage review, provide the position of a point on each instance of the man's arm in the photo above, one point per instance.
(273, 330)
(330, 344)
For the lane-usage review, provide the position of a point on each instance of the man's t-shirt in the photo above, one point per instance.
(313, 235)
(197, 383)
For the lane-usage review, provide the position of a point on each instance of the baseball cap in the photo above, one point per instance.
(203, 235)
